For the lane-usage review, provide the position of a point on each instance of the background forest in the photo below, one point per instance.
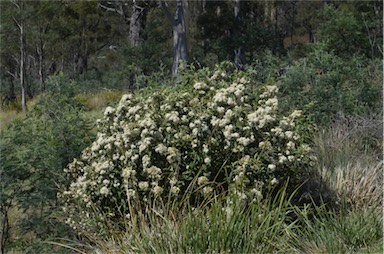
(62, 63)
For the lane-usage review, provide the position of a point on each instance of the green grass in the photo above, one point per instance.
(261, 227)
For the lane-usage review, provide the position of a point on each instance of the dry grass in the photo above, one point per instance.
(99, 100)
(359, 184)
(350, 140)
(7, 117)
(350, 159)
(12, 112)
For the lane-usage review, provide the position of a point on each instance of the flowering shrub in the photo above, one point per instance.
(218, 133)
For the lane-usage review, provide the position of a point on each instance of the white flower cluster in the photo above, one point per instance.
(154, 146)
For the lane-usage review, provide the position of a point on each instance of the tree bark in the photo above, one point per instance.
(180, 46)
(20, 25)
(22, 67)
(136, 24)
(239, 58)
(4, 230)
(40, 53)
(135, 18)
(40, 50)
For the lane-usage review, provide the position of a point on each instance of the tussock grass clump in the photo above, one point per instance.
(352, 231)
(359, 184)
(220, 225)
(349, 159)
(350, 139)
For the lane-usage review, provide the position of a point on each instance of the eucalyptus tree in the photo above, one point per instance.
(19, 15)
(133, 13)
(179, 28)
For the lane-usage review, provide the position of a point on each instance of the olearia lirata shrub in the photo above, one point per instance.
(221, 133)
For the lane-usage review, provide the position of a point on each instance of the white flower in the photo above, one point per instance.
(274, 181)
(153, 172)
(229, 114)
(173, 181)
(290, 145)
(207, 190)
(202, 180)
(109, 111)
(175, 190)
(289, 134)
(146, 160)
(173, 155)
(161, 149)
(306, 148)
(193, 102)
(134, 157)
(125, 97)
(195, 131)
(282, 159)
(104, 191)
(200, 86)
(205, 148)
(239, 90)
(133, 110)
(272, 166)
(253, 117)
(220, 97)
(144, 143)
(128, 173)
(244, 141)
(230, 101)
(165, 107)
(243, 80)
(143, 186)
(296, 114)
(257, 192)
(131, 193)
(273, 102)
(173, 116)
(207, 160)
(220, 110)
(228, 131)
(157, 190)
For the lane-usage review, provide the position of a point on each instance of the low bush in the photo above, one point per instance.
(324, 85)
(215, 132)
(33, 151)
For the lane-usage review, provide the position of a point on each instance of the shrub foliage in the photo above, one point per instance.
(216, 131)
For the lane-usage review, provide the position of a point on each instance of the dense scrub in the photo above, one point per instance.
(215, 132)
(33, 152)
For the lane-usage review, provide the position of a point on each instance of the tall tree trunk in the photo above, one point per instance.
(20, 25)
(41, 70)
(239, 58)
(135, 18)
(180, 47)
(22, 67)
(136, 24)
(4, 228)
(40, 53)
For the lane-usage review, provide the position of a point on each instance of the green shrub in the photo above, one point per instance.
(357, 29)
(324, 85)
(33, 152)
(215, 131)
